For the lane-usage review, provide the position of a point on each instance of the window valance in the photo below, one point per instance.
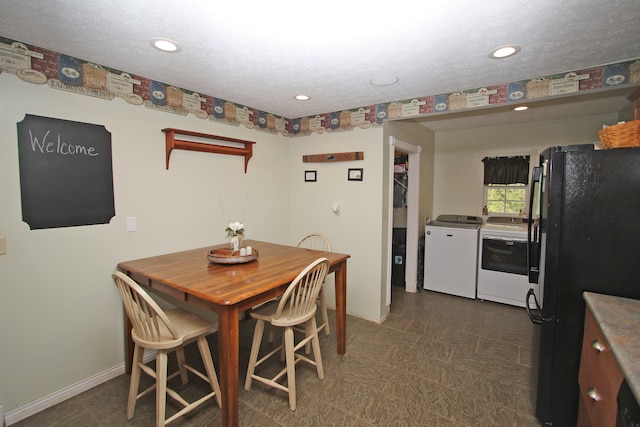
(506, 170)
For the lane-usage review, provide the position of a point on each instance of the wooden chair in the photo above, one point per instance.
(163, 331)
(296, 307)
(318, 242)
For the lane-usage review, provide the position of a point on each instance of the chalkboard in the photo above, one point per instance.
(66, 177)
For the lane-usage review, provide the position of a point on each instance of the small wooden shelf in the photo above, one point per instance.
(172, 143)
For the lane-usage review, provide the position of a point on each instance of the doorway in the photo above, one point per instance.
(410, 179)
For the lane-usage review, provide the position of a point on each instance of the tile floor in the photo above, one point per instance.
(437, 361)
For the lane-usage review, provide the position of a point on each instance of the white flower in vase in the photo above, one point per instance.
(235, 230)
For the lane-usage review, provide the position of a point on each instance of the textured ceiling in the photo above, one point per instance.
(262, 53)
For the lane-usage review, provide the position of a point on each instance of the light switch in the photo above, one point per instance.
(131, 223)
(3, 245)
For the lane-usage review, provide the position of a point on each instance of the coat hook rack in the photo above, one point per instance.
(172, 143)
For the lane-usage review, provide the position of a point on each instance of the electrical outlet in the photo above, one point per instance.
(131, 223)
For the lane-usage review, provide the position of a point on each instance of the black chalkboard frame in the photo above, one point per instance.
(66, 173)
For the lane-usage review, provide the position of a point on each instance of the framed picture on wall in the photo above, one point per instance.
(355, 174)
(309, 176)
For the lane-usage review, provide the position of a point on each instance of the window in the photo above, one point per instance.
(507, 199)
(505, 185)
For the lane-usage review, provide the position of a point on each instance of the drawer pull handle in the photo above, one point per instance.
(593, 394)
(596, 344)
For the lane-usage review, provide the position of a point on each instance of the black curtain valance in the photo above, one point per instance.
(506, 170)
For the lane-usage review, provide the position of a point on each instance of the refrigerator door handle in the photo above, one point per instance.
(533, 228)
(536, 178)
(536, 317)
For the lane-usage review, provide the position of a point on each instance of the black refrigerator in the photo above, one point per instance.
(584, 235)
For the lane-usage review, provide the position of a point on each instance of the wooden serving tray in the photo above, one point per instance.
(227, 256)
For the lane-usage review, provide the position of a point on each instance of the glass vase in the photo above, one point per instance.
(236, 242)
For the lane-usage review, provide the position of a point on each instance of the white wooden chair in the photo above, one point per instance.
(163, 331)
(297, 306)
(318, 242)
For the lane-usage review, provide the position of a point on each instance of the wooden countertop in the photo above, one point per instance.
(619, 319)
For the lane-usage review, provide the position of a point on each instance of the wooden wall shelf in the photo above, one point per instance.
(172, 143)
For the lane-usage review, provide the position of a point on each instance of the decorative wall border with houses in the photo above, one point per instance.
(40, 66)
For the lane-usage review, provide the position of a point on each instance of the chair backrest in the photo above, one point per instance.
(298, 303)
(149, 321)
(315, 241)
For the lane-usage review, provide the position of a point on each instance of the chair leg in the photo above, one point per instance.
(283, 350)
(161, 386)
(205, 353)
(181, 362)
(315, 342)
(255, 348)
(138, 353)
(289, 344)
(322, 308)
(323, 311)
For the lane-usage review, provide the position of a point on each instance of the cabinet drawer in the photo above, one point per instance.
(599, 376)
(598, 357)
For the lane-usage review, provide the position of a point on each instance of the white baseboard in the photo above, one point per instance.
(56, 397)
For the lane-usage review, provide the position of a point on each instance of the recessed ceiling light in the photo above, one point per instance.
(504, 51)
(302, 97)
(165, 45)
(521, 108)
(385, 80)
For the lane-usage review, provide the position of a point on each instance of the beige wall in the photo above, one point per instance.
(60, 316)
(356, 229)
(458, 167)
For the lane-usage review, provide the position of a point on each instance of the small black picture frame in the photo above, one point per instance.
(310, 176)
(355, 174)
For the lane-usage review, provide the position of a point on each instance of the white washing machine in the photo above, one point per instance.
(502, 261)
(451, 255)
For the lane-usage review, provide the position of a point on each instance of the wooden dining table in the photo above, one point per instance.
(229, 290)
